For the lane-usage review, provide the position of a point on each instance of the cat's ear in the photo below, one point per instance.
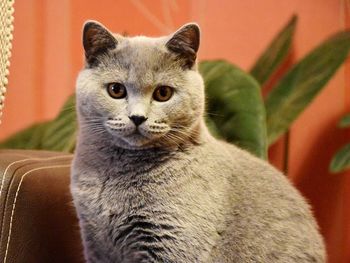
(185, 43)
(96, 40)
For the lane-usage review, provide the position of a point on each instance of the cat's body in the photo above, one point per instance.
(188, 199)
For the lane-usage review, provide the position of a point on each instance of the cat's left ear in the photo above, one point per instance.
(185, 43)
(96, 40)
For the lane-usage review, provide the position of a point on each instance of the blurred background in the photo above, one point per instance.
(47, 55)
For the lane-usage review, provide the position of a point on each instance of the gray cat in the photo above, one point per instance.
(149, 182)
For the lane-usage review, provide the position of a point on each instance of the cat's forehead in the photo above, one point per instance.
(140, 60)
(140, 41)
(146, 52)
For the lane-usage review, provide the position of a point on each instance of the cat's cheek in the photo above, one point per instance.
(195, 92)
(110, 108)
(182, 112)
(85, 107)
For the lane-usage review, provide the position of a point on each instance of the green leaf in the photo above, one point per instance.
(29, 138)
(303, 82)
(61, 134)
(341, 160)
(56, 135)
(345, 121)
(235, 105)
(275, 53)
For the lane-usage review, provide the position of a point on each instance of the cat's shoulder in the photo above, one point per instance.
(250, 174)
(243, 165)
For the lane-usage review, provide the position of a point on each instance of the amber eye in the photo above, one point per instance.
(163, 93)
(116, 90)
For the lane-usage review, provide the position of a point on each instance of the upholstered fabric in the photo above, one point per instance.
(38, 221)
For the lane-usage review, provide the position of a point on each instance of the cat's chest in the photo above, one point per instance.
(126, 187)
(149, 216)
(153, 206)
(176, 184)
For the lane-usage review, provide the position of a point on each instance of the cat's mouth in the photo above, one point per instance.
(137, 132)
(136, 137)
(143, 134)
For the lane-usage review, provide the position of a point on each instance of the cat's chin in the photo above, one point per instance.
(134, 142)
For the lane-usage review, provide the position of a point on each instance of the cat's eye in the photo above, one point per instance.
(116, 90)
(163, 93)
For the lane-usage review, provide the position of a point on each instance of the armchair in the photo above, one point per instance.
(37, 217)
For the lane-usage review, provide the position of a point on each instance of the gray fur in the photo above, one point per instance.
(171, 192)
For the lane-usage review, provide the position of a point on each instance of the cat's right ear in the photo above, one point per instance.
(96, 40)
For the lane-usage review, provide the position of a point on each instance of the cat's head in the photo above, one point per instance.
(140, 92)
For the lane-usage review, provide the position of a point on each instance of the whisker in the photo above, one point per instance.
(177, 138)
(186, 133)
(168, 138)
(214, 114)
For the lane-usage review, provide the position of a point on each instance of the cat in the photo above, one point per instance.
(151, 184)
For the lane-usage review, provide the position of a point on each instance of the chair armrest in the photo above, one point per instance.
(37, 218)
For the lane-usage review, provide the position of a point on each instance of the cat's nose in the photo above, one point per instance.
(137, 119)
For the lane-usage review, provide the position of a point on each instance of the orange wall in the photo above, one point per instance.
(47, 55)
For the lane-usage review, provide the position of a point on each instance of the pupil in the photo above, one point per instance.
(116, 88)
(163, 92)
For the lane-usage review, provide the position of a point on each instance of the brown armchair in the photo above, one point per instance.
(37, 217)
